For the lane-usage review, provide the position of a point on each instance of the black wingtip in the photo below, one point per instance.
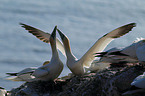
(118, 53)
(102, 53)
(2, 88)
(12, 74)
(133, 24)
(124, 30)
(55, 27)
(22, 24)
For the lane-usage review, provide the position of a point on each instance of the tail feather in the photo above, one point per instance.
(16, 74)
(118, 53)
(102, 53)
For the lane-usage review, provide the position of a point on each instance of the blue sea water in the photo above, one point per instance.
(83, 21)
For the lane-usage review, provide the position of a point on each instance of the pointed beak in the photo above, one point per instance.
(53, 34)
(61, 34)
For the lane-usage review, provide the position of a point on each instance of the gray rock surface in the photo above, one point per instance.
(109, 82)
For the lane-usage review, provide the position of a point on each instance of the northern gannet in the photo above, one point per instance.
(133, 53)
(112, 57)
(2, 92)
(49, 70)
(77, 66)
(43, 36)
(104, 61)
(25, 74)
(115, 56)
(52, 70)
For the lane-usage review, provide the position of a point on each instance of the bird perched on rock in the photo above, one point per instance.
(77, 65)
(48, 71)
(133, 53)
(25, 74)
(52, 70)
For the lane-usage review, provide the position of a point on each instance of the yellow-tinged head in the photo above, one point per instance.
(46, 62)
(64, 38)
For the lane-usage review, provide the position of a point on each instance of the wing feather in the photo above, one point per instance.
(102, 43)
(38, 73)
(43, 36)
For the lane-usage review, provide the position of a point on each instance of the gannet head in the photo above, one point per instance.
(46, 62)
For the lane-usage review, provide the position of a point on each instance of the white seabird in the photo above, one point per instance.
(77, 66)
(133, 53)
(52, 70)
(43, 36)
(115, 56)
(104, 61)
(48, 71)
(25, 74)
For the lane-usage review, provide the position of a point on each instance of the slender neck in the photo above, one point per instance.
(68, 52)
(54, 49)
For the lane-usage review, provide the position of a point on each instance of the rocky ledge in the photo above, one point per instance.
(109, 82)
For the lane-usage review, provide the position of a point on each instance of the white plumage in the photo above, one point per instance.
(25, 74)
(52, 70)
(49, 71)
(131, 54)
(77, 66)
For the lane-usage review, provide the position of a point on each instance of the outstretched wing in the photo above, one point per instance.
(101, 44)
(43, 36)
